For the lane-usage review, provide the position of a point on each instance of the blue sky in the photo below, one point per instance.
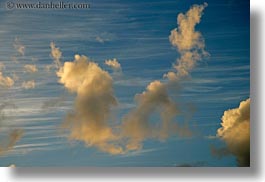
(136, 34)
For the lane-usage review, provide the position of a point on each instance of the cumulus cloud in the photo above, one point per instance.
(6, 81)
(189, 42)
(114, 64)
(88, 122)
(19, 47)
(28, 84)
(235, 132)
(30, 68)
(13, 138)
(137, 124)
(56, 54)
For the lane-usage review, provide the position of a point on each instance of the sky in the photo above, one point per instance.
(126, 83)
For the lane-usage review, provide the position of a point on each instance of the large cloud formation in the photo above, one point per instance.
(235, 131)
(89, 120)
(137, 124)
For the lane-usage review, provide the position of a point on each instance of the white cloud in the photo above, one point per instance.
(28, 84)
(189, 43)
(56, 54)
(30, 68)
(235, 131)
(6, 81)
(88, 122)
(137, 124)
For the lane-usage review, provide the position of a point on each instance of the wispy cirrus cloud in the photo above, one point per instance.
(56, 54)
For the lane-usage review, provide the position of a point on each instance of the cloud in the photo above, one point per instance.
(137, 124)
(235, 132)
(88, 122)
(114, 64)
(19, 47)
(6, 81)
(105, 37)
(56, 54)
(13, 138)
(28, 84)
(2, 66)
(30, 68)
(189, 43)
(3, 106)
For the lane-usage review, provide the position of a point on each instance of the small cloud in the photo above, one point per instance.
(20, 48)
(30, 68)
(189, 43)
(88, 122)
(100, 40)
(104, 37)
(114, 64)
(2, 66)
(6, 81)
(28, 84)
(56, 54)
